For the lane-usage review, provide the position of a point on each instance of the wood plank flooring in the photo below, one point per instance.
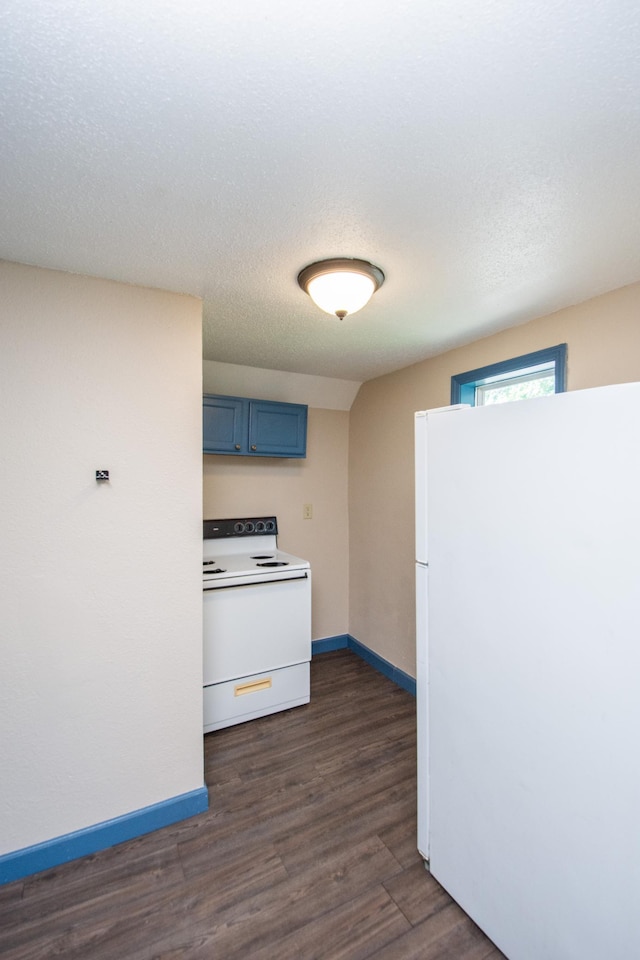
(307, 852)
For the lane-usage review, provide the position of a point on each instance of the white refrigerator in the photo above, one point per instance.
(528, 668)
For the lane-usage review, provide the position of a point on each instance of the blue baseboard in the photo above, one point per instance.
(327, 644)
(346, 642)
(51, 853)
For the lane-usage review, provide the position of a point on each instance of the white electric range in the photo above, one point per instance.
(257, 622)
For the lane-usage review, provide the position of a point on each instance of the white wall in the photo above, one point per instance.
(233, 379)
(100, 597)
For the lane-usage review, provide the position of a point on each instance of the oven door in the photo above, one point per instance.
(252, 627)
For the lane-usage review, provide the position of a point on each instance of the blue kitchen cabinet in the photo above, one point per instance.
(225, 422)
(244, 427)
(277, 429)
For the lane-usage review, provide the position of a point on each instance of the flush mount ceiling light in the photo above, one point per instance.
(341, 286)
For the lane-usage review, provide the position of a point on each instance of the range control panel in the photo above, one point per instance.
(242, 527)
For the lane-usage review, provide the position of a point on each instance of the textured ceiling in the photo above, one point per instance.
(485, 155)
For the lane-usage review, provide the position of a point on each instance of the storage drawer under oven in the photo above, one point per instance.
(255, 696)
(255, 627)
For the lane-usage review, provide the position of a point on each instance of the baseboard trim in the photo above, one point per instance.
(327, 644)
(346, 642)
(70, 846)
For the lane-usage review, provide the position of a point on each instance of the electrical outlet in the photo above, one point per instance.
(307, 511)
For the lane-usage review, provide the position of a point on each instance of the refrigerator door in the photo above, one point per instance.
(421, 486)
(534, 667)
(422, 688)
(422, 420)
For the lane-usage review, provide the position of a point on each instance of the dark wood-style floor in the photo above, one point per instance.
(308, 851)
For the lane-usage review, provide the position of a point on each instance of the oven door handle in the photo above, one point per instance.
(250, 582)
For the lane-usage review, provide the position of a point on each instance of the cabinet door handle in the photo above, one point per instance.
(253, 446)
(237, 446)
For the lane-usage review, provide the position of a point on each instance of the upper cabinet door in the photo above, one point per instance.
(224, 424)
(277, 429)
(253, 428)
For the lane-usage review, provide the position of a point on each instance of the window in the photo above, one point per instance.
(532, 375)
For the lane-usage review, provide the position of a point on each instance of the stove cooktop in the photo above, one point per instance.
(241, 547)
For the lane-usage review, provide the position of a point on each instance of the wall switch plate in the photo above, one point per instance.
(102, 474)
(307, 511)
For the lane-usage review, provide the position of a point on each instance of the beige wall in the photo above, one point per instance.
(101, 635)
(240, 486)
(603, 337)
